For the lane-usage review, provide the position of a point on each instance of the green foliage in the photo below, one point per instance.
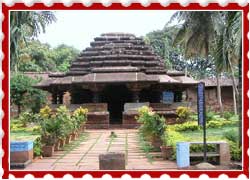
(162, 42)
(171, 137)
(41, 57)
(210, 115)
(61, 123)
(26, 118)
(37, 147)
(146, 147)
(235, 151)
(22, 93)
(220, 123)
(152, 125)
(183, 112)
(20, 88)
(79, 117)
(25, 25)
(16, 125)
(187, 126)
(232, 136)
(200, 148)
(227, 114)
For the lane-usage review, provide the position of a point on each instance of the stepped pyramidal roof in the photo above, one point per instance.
(116, 57)
(121, 52)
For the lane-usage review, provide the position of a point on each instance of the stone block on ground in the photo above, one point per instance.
(205, 166)
(112, 161)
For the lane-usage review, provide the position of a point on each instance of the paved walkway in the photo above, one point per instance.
(83, 153)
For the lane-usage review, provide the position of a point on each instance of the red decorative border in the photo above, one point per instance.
(118, 6)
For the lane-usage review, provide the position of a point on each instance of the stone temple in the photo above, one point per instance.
(117, 74)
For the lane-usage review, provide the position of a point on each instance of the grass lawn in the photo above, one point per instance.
(23, 136)
(212, 133)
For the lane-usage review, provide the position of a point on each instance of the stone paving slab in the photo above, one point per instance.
(86, 155)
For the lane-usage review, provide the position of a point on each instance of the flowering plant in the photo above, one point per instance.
(45, 112)
(152, 125)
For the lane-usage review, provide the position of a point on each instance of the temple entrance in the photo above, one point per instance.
(116, 96)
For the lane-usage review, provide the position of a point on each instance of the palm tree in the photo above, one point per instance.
(196, 35)
(25, 25)
(228, 53)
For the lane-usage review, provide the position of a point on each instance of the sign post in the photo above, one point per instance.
(201, 107)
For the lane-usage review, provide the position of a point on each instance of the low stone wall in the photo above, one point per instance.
(129, 120)
(97, 120)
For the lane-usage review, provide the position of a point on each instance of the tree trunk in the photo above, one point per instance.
(18, 110)
(219, 92)
(232, 77)
(235, 90)
(235, 103)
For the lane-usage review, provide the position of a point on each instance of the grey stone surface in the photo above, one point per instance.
(112, 161)
(134, 106)
(205, 166)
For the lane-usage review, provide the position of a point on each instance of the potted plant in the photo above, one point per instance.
(50, 129)
(152, 126)
(167, 146)
(80, 118)
(48, 147)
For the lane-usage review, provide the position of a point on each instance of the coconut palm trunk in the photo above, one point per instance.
(235, 89)
(219, 92)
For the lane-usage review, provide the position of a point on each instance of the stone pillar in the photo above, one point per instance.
(136, 96)
(224, 152)
(60, 98)
(54, 98)
(96, 97)
(67, 98)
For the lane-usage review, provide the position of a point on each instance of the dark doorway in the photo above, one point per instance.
(116, 96)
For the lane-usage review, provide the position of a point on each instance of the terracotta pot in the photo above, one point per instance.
(62, 142)
(48, 151)
(68, 139)
(156, 142)
(167, 152)
(57, 145)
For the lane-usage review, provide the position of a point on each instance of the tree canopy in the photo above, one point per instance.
(25, 25)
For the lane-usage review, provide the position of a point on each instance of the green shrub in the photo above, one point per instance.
(228, 115)
(200, 148)
(171, 137)
(183, 112)
(79, 117)
(220, 123)
(234, 118)
(37, 147)
(187, 126)
(214, 124)
(152, 125)
(193, 117)
(36, 129)
(235, 151)
(232, 135)
(233, 139)
(210, 115)
(25, 118)
(16, 125)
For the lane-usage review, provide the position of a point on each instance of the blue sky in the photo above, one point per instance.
(78, 28)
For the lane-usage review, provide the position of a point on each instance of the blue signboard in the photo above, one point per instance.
(167, 97)
(201, 103)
